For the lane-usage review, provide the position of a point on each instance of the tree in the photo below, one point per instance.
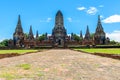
(76, 37)
(113, 42)
(4, 43)
(26, 35)
(42, 37)
(118, 43)
(80, 39)
(92, 35)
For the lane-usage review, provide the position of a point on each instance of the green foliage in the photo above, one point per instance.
(4, 43)
(42, 37)
(92, 35)
(81, 39)
(118, 43)
(26, 35)
(114, 43)
(76, 37)
(24, 66)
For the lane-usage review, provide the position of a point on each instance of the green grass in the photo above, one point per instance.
(8, 76)
(16, 51)
(21, 71)
(107, 51)
(24, 66)
(40, 74)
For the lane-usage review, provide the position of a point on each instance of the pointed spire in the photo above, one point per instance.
(87, 31)
(72, 38)
(19, 20)
(31, 36)
(59, 22)
(81, 36)
(37, 35)
(18, 34)
(99, 30)
(59, 13)
(99, 34)
(19, 28)
(87, 35)
(99, 18)
(99, 25)
(46, 36)
(99, 21)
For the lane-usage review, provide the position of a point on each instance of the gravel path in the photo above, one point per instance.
(59, 64)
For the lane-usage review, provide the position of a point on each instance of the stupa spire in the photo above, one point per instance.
(19, 28)
(31, 36)
(59, 19)
(87, 35)
(81, 36)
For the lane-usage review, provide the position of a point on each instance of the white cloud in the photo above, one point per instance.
(92, 10)
(112, 19)
(101, 5)
(81, 8)
(47, 20)
(72, 20)
(101, 16)
(69, 19)
(115, 35)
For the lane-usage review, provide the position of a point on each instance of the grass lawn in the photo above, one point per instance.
(16, 51)
(107, 51)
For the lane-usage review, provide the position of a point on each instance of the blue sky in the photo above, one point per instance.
(77, 15)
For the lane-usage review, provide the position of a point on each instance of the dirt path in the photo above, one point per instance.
(59, 64)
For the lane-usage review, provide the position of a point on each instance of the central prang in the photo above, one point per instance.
(59, 32)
